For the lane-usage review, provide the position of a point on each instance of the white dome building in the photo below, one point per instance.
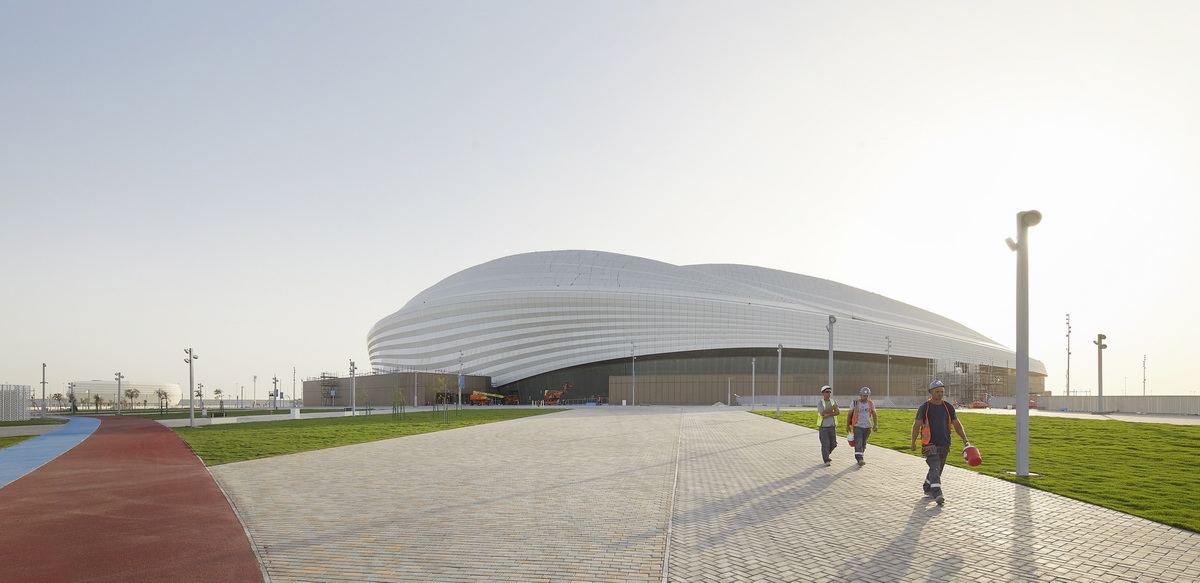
(539, 321)
(147, 394)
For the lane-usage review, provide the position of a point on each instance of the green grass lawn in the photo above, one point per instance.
(32, 422)
(13, 440)
(1144, 469)
(222, 444)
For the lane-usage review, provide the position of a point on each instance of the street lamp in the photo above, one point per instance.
(752, 397)
(119, 376)
(633, 353)
(779, 380)
(888, 394)
(191, 357)
(1025, 219)
(1068, 355)
(353, 407)
(1100, 346)
(830, 328)
(43, 390)
(275, 392)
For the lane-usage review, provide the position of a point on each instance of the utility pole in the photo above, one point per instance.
(830, 328)
(1068, 355)
(119, 376)
(633, 353)
(889, 366)
(752, 396)
(1025, 219)
(1100, 346)
(191, 357)
(779, 381)
(43, 390)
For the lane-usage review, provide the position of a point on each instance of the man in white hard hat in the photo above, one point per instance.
(934, 419)
(861, 420)
(827, 412)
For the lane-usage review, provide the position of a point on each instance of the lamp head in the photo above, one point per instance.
(1029, 218)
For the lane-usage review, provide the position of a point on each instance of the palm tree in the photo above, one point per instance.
(131, 395)
(58, 398)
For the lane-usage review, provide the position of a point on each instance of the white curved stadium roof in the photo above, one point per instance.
(523, 315)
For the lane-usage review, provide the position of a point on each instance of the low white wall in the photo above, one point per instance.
(1164, 405)
(769, 401)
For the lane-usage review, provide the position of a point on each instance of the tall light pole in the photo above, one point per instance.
(889, 366)
(1143, 375)
(191, 357)
(1025, 219)
(778, 380)
(1100, 346)
(119, 376)
(353, 406)
(752, 397)
(1068, 355)
(633, 353)
(830, 328)
(43, 389)
(275, 392)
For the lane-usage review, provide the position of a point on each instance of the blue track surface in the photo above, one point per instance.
(29, 455)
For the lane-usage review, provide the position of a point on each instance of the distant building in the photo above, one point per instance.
(540, 322)
(86, 393)
(15, 402)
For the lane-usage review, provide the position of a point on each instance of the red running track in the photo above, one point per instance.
(129, 504)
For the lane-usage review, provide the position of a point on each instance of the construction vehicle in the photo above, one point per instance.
(553, 396)
(482, 398)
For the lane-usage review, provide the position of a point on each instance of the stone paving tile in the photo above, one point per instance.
(679, 494)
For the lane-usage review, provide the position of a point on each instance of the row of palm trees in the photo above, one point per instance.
(97, 402)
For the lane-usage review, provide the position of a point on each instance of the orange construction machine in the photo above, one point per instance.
(482, 398)
(553, 396)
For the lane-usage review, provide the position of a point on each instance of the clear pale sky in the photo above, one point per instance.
(263, 181)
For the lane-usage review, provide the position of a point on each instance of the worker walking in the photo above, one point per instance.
(827, 412)
(934, 419)
(861, 420)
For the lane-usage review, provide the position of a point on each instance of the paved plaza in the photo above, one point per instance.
(668, 494)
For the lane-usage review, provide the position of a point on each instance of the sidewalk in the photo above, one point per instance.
(680, 494)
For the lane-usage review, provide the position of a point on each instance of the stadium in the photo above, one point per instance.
(597, 327)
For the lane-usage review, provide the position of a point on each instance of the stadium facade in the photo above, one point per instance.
(91, 395)
(615, 328)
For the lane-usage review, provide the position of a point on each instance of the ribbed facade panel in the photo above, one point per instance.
(520, 316)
